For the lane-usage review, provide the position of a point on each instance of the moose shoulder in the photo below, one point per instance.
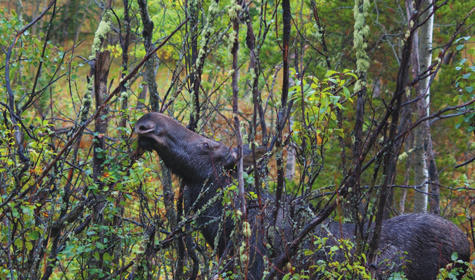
(426, 242)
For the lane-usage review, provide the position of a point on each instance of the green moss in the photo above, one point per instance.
(101, 32)
(213, 8)
(361, 30)
(246, 229)
(86, 102)
(234, 10)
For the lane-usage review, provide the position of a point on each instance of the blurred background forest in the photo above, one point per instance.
(365, 109)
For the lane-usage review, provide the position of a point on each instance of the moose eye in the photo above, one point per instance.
(205, 145)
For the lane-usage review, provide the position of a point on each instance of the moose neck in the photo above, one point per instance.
(205, 199)
(202, 193)
(198, 195)
(202, 179)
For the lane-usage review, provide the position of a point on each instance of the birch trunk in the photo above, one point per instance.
(422, 137)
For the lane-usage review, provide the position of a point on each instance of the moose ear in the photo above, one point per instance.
(247, 158)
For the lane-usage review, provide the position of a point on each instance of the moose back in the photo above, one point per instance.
(417, 244)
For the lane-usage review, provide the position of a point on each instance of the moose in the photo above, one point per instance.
(417, 244)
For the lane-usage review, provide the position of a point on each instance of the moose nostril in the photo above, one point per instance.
(143, 127)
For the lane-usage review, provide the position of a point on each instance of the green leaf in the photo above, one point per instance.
(26, 210)
(107, 257)
(34, 235)
(352, 75)
(334, 99)
(81, 249)
(454, 256)
(18, 242)
(100, 245)
(346, 92)
(309, 252)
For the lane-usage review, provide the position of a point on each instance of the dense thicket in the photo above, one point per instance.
(332, 91)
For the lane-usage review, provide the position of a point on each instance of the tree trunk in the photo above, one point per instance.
(434, 197)
(195, 79)
(101, 72)
(421, 60)
(151, 65)
(291, 160)
(421, 172)
(282, 117)
(425, 50)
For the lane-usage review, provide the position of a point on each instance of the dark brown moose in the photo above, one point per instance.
(417, 244)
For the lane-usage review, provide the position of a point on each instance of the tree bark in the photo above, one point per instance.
(101, 72)
(422, 56)
(124, 43)
(195, 78)
(152, 64)
(282, 116)
(425, 50)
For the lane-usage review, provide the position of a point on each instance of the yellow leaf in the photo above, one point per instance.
(319, 139)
